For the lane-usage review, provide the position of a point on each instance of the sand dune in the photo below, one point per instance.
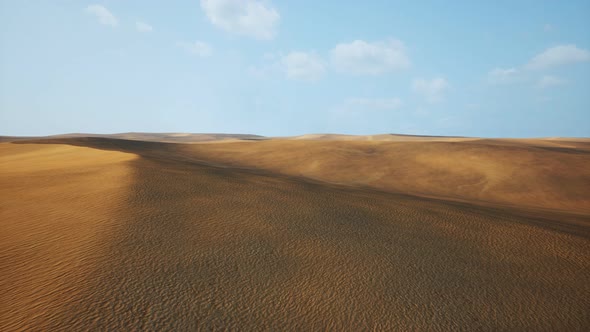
(58, 204)
(533, 173)
(150, 137)
(381, 137)
(288, 234)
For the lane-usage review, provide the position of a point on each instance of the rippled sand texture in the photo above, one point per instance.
(58, 205)
(153, 239)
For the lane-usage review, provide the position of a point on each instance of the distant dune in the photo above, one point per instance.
(382, 137)
(150, 137)
(144, 231)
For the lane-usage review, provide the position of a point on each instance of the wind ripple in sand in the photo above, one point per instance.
(198, 247)
(58, 207)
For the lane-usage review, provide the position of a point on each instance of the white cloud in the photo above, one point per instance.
(503, 75)
(307, 66)
(104, 15)
(433, 90)
(373, 103)
(549, 81)
(198, 48)
(143, 27)
(303, 66)
(243, 17)
(372, 58)
(558, 56)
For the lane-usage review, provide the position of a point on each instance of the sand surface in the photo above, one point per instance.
(58, 207)
(292, 234)
(522, 173)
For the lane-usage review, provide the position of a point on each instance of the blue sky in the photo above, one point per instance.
(278, 68)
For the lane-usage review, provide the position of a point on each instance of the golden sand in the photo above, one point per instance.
(181, 237)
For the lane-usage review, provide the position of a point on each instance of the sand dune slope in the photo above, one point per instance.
(548, 174)
(58, 207)
(156, 240)
(523, 173)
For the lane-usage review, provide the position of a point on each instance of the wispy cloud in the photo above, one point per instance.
(103, 15)
(433, 90)
(296, 65)
(552, 57)
(143, 27)
(558, 56)
(503, 75)
(251, 18)
(549, 81)
(263, 71)
(548, 27)
(197, 48)
(303, 66)
(372, 58)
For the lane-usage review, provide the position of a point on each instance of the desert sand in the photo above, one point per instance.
(321, 232)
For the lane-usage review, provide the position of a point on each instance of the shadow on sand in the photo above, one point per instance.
(204, 247)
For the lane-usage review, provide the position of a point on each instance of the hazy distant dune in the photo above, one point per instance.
(151, 137)
(381, 137)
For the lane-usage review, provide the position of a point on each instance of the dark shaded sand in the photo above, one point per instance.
(154, 236)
